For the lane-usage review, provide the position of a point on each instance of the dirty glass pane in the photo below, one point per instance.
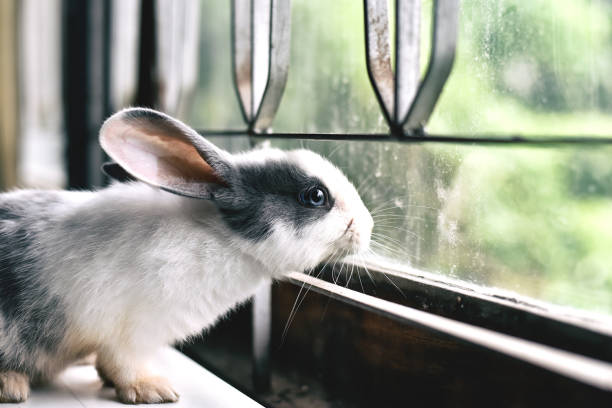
(328, 88)
(538, 67)
(533, 221)
(537, 222)
(215, 105)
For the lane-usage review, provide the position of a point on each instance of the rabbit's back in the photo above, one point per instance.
(80, 270)
(51, 283)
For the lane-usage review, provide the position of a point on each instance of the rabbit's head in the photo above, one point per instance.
(289, 209)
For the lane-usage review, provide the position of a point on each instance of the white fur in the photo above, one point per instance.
(143, 268)
(136, 268)
(165, 274)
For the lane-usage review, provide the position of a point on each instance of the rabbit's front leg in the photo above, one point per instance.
(14, 386)
(133, 383)
(107, 382)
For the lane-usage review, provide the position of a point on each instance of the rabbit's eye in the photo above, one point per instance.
(313, 197)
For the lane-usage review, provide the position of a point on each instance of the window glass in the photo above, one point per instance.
(537, 67)
(215, 105)
(535, 221)
(328, 88)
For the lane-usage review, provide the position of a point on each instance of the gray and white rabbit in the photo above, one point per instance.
(125, 270)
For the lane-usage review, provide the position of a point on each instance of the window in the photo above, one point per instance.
(537, 68)
(522, 218)
(491, 223)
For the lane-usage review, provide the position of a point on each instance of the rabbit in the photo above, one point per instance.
(130, 268)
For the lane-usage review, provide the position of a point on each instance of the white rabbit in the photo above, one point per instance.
(125, 270)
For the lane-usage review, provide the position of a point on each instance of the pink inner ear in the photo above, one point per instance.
(160, 159)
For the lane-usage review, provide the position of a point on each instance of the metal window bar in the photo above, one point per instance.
(261, 32)
(405, 104)
(86, 86)
(260, 54)
(443, 46)
(534, 141)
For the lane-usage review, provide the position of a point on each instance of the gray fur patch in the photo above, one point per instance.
(34, 320)
(259, 195)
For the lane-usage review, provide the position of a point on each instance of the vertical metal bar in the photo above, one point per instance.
(147, 88)
(407, 61)
(85, 81)
(99, 84)
(261, 26)
(260, 57)
(74, 82)
(262, 326)
(107, 60)
(262, 333)
(444, 43)
(406, 109)
(278, 56)
(242, 55)
(378, 55)
(261, 34)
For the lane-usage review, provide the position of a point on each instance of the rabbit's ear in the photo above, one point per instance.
(164, 152)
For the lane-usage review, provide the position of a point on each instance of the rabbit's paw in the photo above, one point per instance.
(14, 387)
(149, 390)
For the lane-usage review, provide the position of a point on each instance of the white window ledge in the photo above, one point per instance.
(80, 386)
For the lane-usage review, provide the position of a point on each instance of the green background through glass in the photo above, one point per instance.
(536, 221)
